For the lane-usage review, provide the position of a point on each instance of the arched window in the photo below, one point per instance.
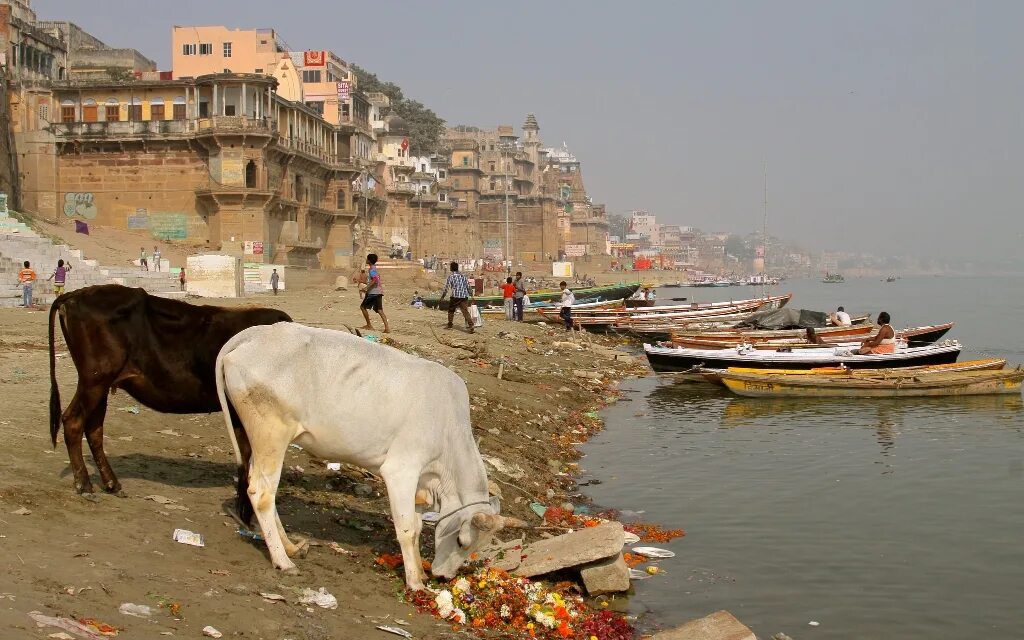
(180, 112)
(250, 175)
(67, 111)
(156, 109)
(112, 110)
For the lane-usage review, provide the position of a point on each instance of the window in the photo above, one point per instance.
(188, 49)
(205, 49)
(156, 109)
(227, 49)
(259, 70)
(67, 111)
(316, 105)
(465, 161)
(250, 175)
(492, 166)
(344, 110)
(441, 174)
(204, 109)
(229, 109)
(341, 200)
(179, 108)
(89, 110)
(311, 75)
(112, 111)
(135, 112)
(442, 197)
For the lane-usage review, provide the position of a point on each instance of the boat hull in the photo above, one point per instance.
(663, 359)
(973, 383)
(611, 292)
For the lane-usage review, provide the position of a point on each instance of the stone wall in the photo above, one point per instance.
(214, 276)
(152, 191)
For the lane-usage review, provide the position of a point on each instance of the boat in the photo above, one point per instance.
(833, 278)
(672, 358)
(898, 385)
(914, 336)
(981, 364)
(678, 313)
(891, 279)
(607, 292)
(535, 307)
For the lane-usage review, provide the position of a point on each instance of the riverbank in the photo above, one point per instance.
(67, 556)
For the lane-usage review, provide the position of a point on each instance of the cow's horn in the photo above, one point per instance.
(514, 523)
(486, 521)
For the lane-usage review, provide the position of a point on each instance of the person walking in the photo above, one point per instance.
(374, 298)
(508, 292)
(275, 279)
(181, 278)
(459, 287)
(143, 263)
(26, 278)
(519, 297)
(59, 277)
(156, 258)
(568, 299)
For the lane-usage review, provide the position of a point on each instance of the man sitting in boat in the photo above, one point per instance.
(882, 342)
(813, 337)
(840, 318)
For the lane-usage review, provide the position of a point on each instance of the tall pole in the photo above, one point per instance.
(508, 244)
(764, 236)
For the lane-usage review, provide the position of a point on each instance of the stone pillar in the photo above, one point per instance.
(244, 100)
(213, 105)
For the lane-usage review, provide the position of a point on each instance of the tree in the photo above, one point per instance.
(618, 225)
(425, 126)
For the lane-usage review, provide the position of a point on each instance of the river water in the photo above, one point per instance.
(875, 518)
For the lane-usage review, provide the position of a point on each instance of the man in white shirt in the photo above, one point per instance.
(568, 299)
(841, 319)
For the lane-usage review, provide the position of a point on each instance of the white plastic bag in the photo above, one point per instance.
(526, 300)
(474, 315)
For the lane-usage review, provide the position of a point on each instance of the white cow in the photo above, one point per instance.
(343, 398)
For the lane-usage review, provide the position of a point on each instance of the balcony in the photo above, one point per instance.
(137, 130)
(314, 151)
(234, 124)
(401, 187)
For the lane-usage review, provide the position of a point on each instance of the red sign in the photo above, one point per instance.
(314, 59)
(405, 144)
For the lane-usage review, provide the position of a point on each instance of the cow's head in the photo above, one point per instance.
(457, 537)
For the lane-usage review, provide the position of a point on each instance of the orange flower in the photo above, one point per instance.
(564, 630)
(389, 560)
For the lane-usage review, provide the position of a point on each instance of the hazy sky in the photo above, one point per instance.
(890, 127)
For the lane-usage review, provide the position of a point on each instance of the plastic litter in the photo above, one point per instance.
(813, 623)
(334, 466)
(654, 552)
(538, 508)
(184, 536)
(130, 409)
(250, 535)
(430, 516)
(210, 632)
(396, 631)
(272, 597)
(637, 574)
(77, 628)
(631, 538)
(22, 512)
(137, 610)
(321, 598)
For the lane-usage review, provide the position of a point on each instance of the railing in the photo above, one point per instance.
(402, 187)
(132, 129)
(310, 149)
(233, 123)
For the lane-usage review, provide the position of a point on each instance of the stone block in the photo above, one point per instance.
(341, 283)
(606, 576)
(720, 625)
(506, 556)
(214, 276)
(572, 549)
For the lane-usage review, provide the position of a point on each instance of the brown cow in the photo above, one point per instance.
(160, 351)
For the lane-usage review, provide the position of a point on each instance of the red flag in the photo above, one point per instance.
(405, 144)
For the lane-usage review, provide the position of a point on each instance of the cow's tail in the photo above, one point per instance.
(55, 410)
(239, 438)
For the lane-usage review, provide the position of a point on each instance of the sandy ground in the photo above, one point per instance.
(73, 557)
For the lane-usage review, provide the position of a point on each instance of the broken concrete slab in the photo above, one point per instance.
(720, 625)
(572, 549)
(610, 575)
(506, 556)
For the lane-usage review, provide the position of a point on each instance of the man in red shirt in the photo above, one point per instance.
(508, 291)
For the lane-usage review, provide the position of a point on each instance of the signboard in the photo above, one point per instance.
(760, 252)
(253, 248)
(575, 250)
(344, 90)
(314, 59)
(561, 269)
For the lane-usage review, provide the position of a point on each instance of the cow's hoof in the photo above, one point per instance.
(84, 488)
(91, 497)
(416, 585)
(114, 489)
(291, 571)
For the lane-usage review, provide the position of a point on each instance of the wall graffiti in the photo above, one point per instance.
(80, 204)
(168, 226)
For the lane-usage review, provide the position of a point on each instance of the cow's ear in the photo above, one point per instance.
(423, 497)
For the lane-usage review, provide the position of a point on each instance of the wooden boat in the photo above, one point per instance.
(833, 278)
(732, 306)
(633, 303)
(737, 335)
(607, 292)
(983, 364)
(915, 337)
(905, 385)
(609, 305)
(671, 358)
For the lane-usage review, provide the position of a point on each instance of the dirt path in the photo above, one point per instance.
(77, 558)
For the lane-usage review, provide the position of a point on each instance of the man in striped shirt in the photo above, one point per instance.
(459, 286)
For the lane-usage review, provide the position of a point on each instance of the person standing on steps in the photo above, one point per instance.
(275, 279)
(156, 258)
(459, 286)
(374, 295)
(519, 297)
(26, 278)
(59, 277)
(181, 278)
(143, 263)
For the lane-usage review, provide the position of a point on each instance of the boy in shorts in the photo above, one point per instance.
(374, 298)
